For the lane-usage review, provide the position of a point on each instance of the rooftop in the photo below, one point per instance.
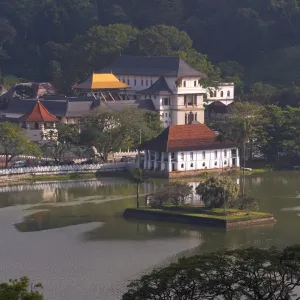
(100, 82)
(184, 138)
(67, 107)
(158, 87)
(172, 66)
(39, 114)
(30, 89)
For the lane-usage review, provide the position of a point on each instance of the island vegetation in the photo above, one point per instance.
(223, 205)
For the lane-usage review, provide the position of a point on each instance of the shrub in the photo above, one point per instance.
(218, 191)
(173, 193)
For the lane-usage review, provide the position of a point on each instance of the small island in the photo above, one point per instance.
(222, 207)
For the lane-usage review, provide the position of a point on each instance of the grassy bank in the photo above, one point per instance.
(200, 216)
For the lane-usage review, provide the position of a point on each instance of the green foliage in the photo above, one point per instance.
(282, 132)
(174, 193)
(89, 34)
(262, 92)
(14, 143)
(20, 289)
(109, 131)
(249, 273)
(138, 175)
(217, 192)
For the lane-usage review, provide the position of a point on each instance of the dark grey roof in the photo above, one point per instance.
(67, 107)
(22, 107)
(121, 105)
(172, 66)
(78, 108)
(118, 105)
(159, 86)
(147, 104)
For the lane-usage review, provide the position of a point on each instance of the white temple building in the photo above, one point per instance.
(187, 150)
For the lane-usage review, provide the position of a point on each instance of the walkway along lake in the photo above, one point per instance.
(77, 244)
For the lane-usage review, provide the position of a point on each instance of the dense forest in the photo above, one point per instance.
(255, 43)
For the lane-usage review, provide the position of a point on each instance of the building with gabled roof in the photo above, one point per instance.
(170, 84)
(188, 150)
(104, 86)
(39, 124)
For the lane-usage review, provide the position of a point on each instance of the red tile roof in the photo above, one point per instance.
(184, 138)
(39, 114)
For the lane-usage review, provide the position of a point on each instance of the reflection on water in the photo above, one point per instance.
(103, 250)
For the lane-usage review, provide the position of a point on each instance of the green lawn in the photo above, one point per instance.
(210, 216)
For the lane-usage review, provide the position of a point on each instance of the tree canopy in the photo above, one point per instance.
(250, 273)
(14, 143)
(64, 40)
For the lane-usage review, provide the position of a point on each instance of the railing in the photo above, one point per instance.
(94, 168)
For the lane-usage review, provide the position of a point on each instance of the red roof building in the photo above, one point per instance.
(39, 114)
(189, 148)
(39, 124)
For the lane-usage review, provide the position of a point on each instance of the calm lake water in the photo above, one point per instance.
(71, 237)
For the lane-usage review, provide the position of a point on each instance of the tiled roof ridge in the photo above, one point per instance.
(42, 111)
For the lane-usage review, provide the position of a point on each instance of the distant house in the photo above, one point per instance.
(170, 84)
(31, 90)
(216, 111)
(187, 150)
(39, 124)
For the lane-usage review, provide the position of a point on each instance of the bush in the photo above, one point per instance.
(174, 193)
(218, 191)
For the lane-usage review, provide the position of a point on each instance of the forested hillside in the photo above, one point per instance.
(255, 43)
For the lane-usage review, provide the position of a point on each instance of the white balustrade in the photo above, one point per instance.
(67, 169)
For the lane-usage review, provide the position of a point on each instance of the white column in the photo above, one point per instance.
(237, 157)
(145, 159)
(162, 161)
(169, 162)
(155, 159)
(149, 160)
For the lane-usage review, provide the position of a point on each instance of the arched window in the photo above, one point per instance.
(182, 166)
(222, 94)
(211, 94)
(228, 93)
(215, 93)
(184, 84)
(195, 83)
(192, 165)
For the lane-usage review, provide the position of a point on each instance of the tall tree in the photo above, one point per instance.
(13, 142)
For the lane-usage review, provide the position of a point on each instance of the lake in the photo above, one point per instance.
(70, 235)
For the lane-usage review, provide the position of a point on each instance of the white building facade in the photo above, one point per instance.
(198, 160)
(171, 84)
(188, 150)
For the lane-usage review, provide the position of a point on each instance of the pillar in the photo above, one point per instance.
(155, 159)
(162, 161)
(169, 162)
(145, 159)
(237, 158)
(149, 160)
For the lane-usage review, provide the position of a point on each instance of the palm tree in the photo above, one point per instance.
(138, 176)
